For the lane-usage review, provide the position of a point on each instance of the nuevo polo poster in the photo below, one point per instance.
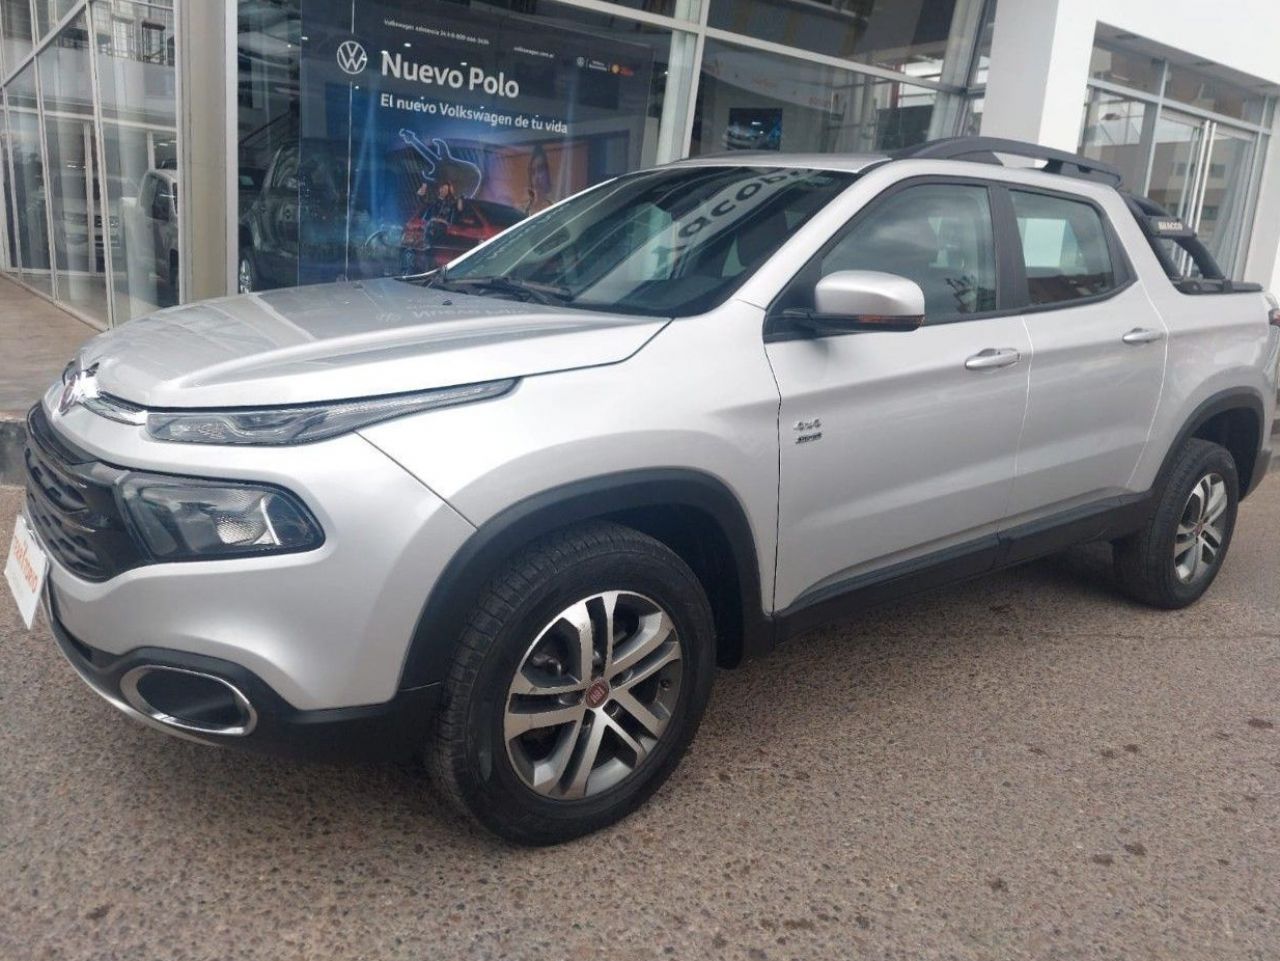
(428, 130)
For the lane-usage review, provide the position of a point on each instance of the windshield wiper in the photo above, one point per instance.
(549, 295)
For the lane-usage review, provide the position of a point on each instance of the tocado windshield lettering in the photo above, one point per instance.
(456, 78)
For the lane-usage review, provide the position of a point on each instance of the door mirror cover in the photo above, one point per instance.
(851, 301)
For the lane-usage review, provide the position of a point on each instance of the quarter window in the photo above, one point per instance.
(1064, 248)
(938, 235)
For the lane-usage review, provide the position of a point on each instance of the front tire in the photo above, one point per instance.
(578, 684)
(1171, 562)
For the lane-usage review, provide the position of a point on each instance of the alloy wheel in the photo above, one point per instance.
(593, 695)
(1197, 543)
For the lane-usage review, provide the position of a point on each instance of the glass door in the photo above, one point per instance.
(1225, 177)
(1201, 171)
(1175, 163)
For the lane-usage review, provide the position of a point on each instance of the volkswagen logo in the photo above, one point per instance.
(351, 57)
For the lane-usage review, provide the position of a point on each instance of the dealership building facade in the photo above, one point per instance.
(160, 152)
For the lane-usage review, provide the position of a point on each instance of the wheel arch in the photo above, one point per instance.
(1231, 418)
(689, 511)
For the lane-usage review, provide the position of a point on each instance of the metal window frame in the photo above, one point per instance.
(1209, 120)
(9, 74)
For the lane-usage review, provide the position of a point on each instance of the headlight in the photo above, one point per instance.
(180, 518)
(306, 422)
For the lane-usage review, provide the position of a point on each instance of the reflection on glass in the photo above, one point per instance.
(74, 191)
(29, 196)
(333, 188)
(1222, 211)
(911, 37)
(1114, 132)
(751, 100)
(136, 77)
(49, 13)
(1190, 86)
(11, 264)
(1127, 68)
(15, 22)
(1177, 145)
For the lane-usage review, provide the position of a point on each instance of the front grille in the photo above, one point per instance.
(72, 505)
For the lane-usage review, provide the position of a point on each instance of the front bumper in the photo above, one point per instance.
(394, 729)
(317, 630)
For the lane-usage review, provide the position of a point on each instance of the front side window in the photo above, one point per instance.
(938, 235)
(668, 242)
(1064, 248)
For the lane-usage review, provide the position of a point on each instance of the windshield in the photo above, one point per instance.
(668, 242)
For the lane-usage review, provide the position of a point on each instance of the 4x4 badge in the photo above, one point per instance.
(809, 430)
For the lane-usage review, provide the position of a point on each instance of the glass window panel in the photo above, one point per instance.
(603, 78)
(15, 21)
(136, 73)
(908, 36)
(1129, 69)
(1064, 248)
(49, 13)
(1115, 132)
(136, 77)
(29, 193)
(1223, 210)
(65, 78)
(145, 277)
(75, 196)
(1177, 145)
(752, 100)
(21, 91)
(938, 235)
(10, 212)
(1189, 86)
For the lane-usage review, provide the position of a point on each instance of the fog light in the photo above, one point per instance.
(183, 519)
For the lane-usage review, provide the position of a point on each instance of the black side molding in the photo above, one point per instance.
(610, 496)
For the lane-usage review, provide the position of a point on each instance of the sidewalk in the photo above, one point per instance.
(36, 341)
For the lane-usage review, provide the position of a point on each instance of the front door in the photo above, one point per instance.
(899, 445)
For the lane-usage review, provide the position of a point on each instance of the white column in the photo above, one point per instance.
(206, 55)
(1039, 70)
(1262, 263)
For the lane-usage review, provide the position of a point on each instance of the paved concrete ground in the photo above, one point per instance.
(1025, 767)
(36, 341)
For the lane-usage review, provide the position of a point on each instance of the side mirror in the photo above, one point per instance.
(855, 301)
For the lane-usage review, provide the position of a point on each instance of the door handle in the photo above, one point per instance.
(1142, 335)
(993, 358)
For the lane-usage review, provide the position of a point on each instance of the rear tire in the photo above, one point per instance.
(578, 683)
(1171, 562)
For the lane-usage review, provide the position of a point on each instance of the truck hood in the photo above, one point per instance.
(338, 341)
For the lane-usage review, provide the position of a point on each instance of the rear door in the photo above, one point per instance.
(1099, 348)
(895, 446)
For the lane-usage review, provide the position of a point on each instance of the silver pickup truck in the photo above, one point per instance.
(510, 515)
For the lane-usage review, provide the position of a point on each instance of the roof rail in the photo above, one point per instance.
(984, 150)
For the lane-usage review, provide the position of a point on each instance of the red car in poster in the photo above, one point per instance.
(429, 243)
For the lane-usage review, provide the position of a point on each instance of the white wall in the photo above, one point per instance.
(1039, 70)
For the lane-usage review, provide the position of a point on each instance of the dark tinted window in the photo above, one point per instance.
(1064, 247)
(938, 235)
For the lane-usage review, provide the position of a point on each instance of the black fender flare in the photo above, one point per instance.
(455, 593)
(1236, 398)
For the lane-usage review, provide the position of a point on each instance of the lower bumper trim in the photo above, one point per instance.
(395, 729)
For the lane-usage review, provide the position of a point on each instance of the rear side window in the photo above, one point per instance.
(1064, 247)
(938, 235)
